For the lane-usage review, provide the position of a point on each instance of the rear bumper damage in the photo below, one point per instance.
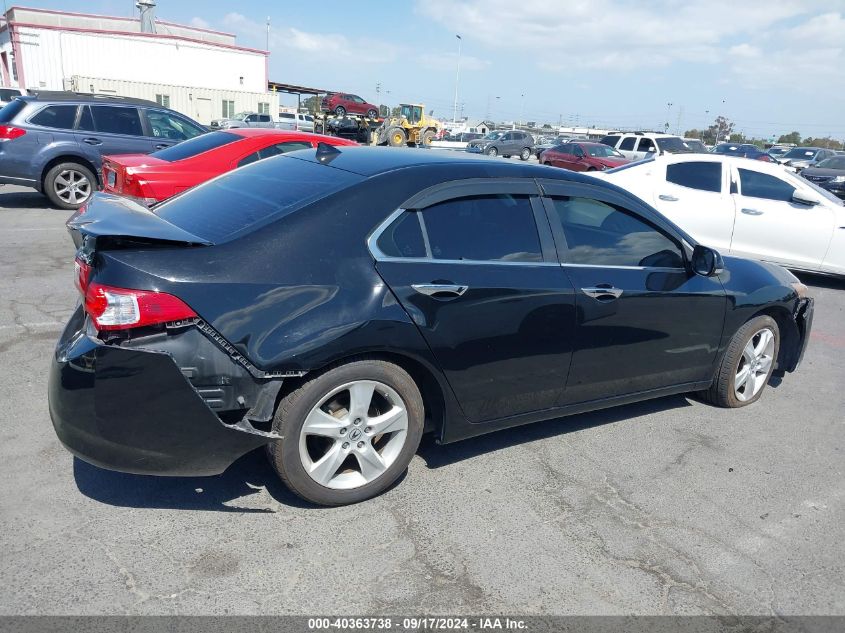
(804, 321)
(172, 403)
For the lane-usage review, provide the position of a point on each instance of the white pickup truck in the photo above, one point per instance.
(243, 119)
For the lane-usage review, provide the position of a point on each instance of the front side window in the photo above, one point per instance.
(646, 145)
(628, 143)
(169, 126)
(705, 176)
(753, 184)
(600, 234)
(610, 140)
(117, 120)
(61, 117)
(483, 228)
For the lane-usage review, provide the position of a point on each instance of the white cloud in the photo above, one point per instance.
(449, 61)
(327, 46)
(621, 36)
(199, 23)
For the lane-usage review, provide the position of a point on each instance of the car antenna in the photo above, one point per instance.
(326, 153)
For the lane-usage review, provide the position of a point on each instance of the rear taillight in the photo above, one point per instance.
(122, 308)
(9, 133)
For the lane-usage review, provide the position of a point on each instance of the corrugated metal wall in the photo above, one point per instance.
(201, 104)
(50, 57)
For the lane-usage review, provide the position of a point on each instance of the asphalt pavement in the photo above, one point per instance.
(668, 506)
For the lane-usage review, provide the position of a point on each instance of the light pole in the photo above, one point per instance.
(521, 108)
(668, 110)
(457, 79)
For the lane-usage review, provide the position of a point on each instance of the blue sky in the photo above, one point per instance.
(771, 66)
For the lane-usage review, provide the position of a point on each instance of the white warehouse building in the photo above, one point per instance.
(201, 73)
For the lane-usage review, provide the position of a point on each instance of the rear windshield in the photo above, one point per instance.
(7, 94)
(252, 196)
(196, 145)
(11, 109)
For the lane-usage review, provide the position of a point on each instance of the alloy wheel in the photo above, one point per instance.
(754, 365)
(353, 435)
(72, 186)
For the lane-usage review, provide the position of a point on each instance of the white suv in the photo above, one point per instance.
(639, 145)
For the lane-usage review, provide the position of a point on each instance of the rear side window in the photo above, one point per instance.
(7, 94)
(757, 185)
(483, 228)
(628, 143)
(11, 110)
(610, 140)
(645, 145)
(705, 176)
(246, 199)
(117, 120)
(61, 117)
(196, 146)
(403, 238)
(600, 234)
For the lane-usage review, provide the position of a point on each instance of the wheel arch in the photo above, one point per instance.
(68, 158)
(790, 337)
(431, 389)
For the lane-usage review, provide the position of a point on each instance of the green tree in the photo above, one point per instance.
(829, 143)
(737, 138)
(721, 129)
(383, 110)
(312, 104)
(395, 111)
(792, 137)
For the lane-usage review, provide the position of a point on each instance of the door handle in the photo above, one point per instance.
(446, 290)
(603, 292)
(162, 146)
(667, 198)
(752, 212)
(92, 141)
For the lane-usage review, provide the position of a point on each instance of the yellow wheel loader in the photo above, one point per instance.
(412, 127)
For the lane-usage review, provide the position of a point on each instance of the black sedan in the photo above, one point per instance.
(828, 174)
(333, 305)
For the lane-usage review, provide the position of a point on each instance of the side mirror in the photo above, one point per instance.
(805, 197)
(706, 261)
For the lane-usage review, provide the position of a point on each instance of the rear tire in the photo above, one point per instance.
(345, 459)
(427, 138)
(373, 114)
(747, 365)
(525, 154)
(69, 185)
(340, 111)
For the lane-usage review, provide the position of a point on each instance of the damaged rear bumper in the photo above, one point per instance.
(142, 410)
(804, 321)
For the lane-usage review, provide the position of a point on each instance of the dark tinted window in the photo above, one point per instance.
(253, 196)
(756, 185)
(7, 94)
(600, 234)
(628, 143)
(86, 121)
(672, 144)
(196, 146)
(645, 145)
(610, 140)
(58, 116)
(273, 150)
(403, 238)
(837, 162)
(117, 120)
(483, 228)
(11, 109)
(705, 176)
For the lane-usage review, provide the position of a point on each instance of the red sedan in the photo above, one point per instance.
(151, 178)
(578, 156)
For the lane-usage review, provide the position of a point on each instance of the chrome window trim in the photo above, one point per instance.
(379, 256)
(664, 269)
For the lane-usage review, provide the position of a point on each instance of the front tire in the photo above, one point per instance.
(747, 364)
(69, 185)
(525, 154)
(349, 433)
(493, 152)
(396, 137)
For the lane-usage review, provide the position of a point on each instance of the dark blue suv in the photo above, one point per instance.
(54, 142)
